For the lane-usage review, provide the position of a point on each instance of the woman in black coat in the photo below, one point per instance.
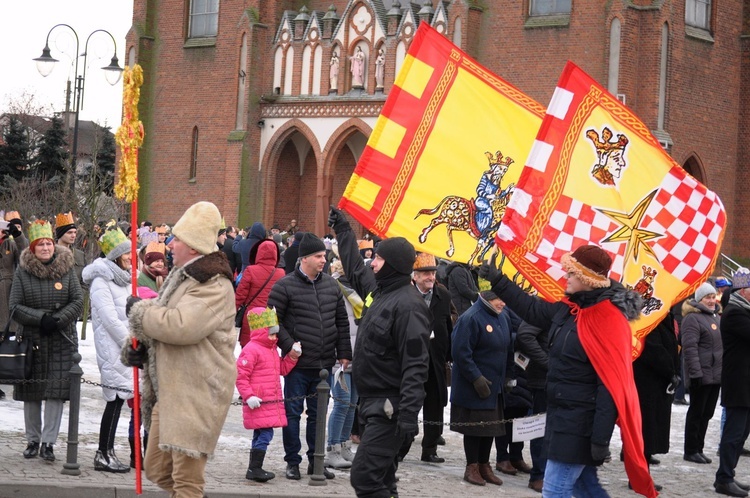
(46, 299)
(702, 351)
(655, 370)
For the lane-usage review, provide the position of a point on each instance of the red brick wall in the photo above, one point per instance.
(706, 113)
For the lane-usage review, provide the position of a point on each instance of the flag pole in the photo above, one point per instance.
(129, 137)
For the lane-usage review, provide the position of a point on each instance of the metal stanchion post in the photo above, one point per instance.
(71, 467)
(317, 478)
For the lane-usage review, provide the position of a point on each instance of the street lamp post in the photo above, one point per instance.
(113, 72)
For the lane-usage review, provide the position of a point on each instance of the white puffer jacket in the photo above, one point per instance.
(110, 287)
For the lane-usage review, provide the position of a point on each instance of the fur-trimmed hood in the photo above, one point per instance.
(61, 263)
(693, 306)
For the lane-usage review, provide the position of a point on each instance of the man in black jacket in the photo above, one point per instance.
(392, 356)
(462, 285)
(235, 259)
(311, 311)
(438, 299)
(533, 342)
(735, 384)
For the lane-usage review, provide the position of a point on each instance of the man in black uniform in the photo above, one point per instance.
(392, 356)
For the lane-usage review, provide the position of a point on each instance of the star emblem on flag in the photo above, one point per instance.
(630, 230)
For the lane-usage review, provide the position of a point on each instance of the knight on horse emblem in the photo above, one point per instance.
(480, 216)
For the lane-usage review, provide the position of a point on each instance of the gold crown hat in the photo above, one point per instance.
(12, 215)
(114, 244)
(265, 319)
(425, 262)
(161, 229)
(40, 229)
(159, 247)
(64, 219)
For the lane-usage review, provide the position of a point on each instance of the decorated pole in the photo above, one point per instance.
(130, 138)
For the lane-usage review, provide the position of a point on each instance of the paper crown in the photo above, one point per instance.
(156, 247)
(10, 215)
(149, 237)
(266, 319)
(425, 262)
(40, 229)
(64, 219)
(741, 278)
(162, 229)
(112, 239)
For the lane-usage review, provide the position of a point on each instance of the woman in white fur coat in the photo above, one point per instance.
(109, 280)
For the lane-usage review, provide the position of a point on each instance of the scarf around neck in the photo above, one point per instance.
(606, 338)
(739, 301)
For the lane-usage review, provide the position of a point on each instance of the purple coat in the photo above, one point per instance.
(259, 371)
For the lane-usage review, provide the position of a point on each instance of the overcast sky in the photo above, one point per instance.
(23, 29)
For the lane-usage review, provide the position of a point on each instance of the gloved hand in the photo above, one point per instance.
(254, 402)
(696, 381)
(407, 427)
(130, 302)
(138, 356)
(482, 387)
(488, 269)
(337, 220)
(14, 228)
(49, 324)
(600, 452)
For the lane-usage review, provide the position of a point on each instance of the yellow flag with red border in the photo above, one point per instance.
(440, 165)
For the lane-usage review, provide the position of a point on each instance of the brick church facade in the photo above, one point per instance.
(243, 105)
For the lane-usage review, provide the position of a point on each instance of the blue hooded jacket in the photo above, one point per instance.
(243, 246)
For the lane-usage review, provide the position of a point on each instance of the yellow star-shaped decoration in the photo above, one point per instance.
(630, 231)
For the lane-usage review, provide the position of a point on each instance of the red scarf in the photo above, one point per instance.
(606, 337)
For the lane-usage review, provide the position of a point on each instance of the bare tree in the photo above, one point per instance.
(94, 204)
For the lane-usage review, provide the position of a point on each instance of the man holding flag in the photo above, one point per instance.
(590, 380)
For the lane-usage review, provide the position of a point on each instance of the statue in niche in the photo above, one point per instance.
(334, 74)
(379, 70)
(358, 68)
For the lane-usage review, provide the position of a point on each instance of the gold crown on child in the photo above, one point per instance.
(267, 319)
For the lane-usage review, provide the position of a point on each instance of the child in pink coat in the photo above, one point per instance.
(259, 371)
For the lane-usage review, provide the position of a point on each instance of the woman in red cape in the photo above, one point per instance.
(590, 384)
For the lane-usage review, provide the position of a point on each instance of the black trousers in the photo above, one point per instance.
(736, 430)
(702, 405)
(373, 473)
(536, 446)
(108, 427)
(432, 411)
(506, 448)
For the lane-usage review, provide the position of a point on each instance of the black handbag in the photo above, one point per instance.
(241, 312)
(15, 354)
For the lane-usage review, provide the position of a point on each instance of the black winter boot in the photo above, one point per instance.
(255, 471)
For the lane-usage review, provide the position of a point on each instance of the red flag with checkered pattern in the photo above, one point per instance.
(596, 175)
